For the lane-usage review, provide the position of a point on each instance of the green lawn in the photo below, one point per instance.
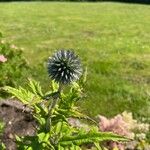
(112, 39)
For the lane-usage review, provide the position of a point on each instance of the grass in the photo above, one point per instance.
(112, 39)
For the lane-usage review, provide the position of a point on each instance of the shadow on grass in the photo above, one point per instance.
(122, 1)
(128, 1)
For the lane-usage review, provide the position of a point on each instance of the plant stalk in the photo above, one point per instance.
(51, 108)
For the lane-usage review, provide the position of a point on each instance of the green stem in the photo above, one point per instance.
(51, 108)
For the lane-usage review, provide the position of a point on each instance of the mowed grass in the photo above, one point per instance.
(112, 39)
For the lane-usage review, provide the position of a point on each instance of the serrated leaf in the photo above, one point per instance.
(22, 94)
(35, 87)
(90, 138)
(55, 86)
(58, 127)
(97, 146)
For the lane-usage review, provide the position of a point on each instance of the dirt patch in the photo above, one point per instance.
(18, 121)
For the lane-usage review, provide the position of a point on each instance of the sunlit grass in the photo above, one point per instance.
(112, 39)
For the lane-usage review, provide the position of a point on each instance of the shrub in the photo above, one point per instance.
(13, 66)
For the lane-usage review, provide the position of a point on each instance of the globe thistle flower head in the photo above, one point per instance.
(64, 67)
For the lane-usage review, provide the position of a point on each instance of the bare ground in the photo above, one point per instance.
(18, 121)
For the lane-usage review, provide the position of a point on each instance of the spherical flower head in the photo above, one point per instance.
(64, 67)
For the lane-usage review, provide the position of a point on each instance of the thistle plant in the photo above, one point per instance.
(64, 67)
(53, 109)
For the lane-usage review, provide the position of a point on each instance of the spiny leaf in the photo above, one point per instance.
(90, 138)
(35, 87)
(22, 94)
(97, 146)
(55, 86)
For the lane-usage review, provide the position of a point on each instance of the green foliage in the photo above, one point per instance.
(2, 146)
(14, 69)
(1, 127)
(89, 138)
(52, 110)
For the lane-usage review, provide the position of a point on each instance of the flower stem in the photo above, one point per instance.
(51, 108)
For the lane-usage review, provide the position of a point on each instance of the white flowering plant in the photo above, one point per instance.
(52, 110)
